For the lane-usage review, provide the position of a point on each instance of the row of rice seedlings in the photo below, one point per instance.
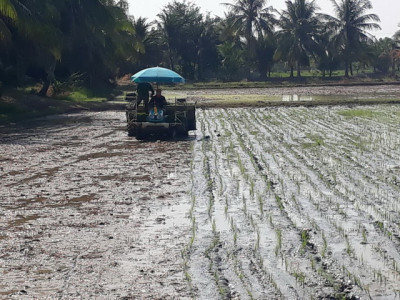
(364, 239)
(201, 193)
(186, 257)
(188, 247)
(369, 206)
(213, 269)
(325, 244)
(249, 216)
(233, 226)
(305, 241)
(278, 232)
(211, 174)
(251, 184)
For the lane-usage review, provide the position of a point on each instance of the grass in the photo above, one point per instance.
(317, 141)
(86, 95)
(359, 113)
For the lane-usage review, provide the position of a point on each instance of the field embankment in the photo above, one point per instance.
(16, 106)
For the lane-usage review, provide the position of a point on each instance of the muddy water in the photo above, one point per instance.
(87, 212)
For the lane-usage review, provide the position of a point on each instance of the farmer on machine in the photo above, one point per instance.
(156, 106)
(143, 89)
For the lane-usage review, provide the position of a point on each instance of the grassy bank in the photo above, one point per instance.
(18, 105)
(293, 82)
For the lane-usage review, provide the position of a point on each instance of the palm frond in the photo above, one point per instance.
(7, 9)
(5, 34)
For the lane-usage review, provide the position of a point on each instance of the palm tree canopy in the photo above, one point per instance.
(351, 21)
(252, 17)
(300, 27)
(397, 35)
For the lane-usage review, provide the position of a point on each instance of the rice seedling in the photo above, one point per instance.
(279, 241)
(279, 202)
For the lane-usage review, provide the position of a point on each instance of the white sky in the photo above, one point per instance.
(387, 10)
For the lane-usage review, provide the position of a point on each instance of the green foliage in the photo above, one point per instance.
(50, 40)
(299, 34)
(351, 25)
(186, 37)
(73, 82)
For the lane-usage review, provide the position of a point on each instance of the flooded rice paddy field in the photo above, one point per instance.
(296, 203)
(261, 203)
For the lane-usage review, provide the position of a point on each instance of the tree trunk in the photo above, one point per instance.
(298, 70)
(351, 69)
(291, 72)
(393, 66)
(49, 79)
(346, 69)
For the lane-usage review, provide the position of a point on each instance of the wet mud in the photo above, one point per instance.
(87, 212)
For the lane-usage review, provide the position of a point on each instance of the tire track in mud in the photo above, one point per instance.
(322, 222)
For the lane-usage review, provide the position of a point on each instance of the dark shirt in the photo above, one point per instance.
(160, 102)
(143, 89)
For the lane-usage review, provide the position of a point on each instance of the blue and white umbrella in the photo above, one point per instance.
(158, 75)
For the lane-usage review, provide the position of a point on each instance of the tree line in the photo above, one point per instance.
(92, 42)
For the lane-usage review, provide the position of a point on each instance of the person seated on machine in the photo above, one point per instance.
(157, 106)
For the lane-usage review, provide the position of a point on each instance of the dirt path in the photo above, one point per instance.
(87, 212)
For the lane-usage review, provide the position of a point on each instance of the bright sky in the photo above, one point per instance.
(387, 10)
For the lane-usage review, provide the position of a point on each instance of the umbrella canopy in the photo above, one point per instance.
(158, 75)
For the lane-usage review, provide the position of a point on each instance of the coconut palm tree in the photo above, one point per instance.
(397, 35)
(253, 19)
(147, 50)
(97, 35)
(298, 38)
(352, 25)
(181, 26)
